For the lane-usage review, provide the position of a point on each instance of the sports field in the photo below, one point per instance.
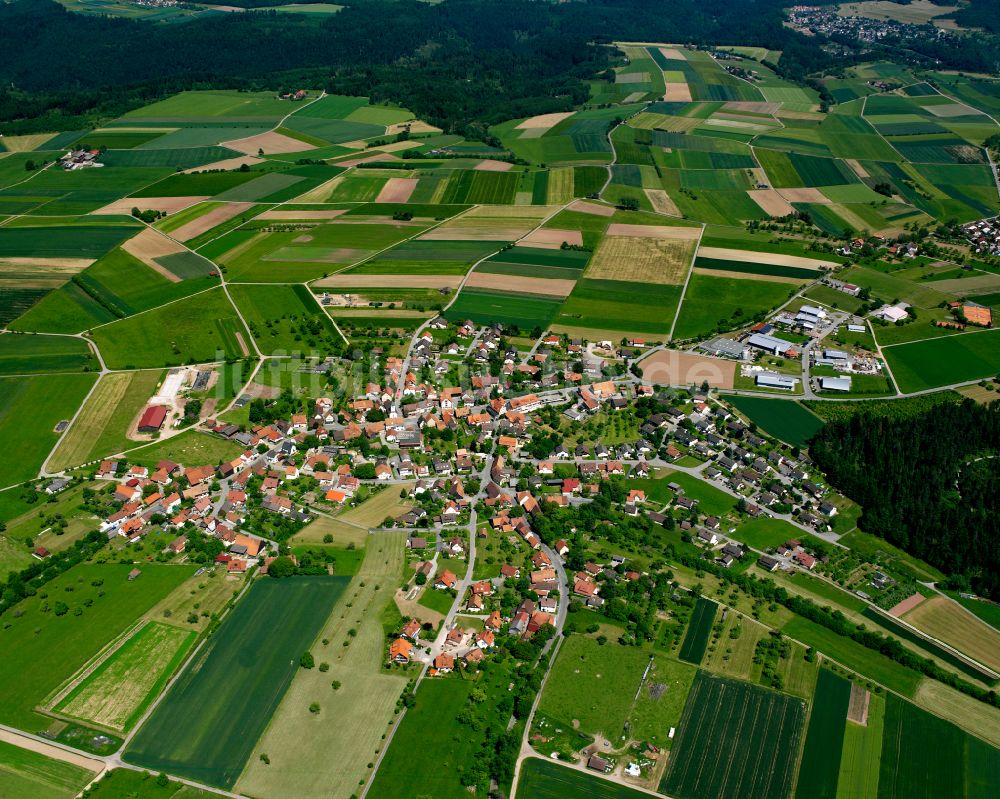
(783, 419)
(205, 728)
(117, 691)
(699, 629)
(543, 779)
(735, 739)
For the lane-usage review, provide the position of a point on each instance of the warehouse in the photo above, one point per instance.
(775, 346)
(835, 383)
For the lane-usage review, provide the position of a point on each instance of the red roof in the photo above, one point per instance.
(153, 416)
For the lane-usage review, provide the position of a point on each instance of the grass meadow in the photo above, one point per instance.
(25, 774)
(21, 355)
(109, 604)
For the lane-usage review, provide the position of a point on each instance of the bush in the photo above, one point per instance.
(307, 661)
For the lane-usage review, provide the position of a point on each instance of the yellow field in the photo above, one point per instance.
(948, 621)
(326, 754)
(25, 144)
(560, 188)
(978, 393)
(642, 260)
(79, 440)
(971, 714)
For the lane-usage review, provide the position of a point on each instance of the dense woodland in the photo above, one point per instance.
(929, 483)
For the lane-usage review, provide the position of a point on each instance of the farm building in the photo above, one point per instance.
(892, 313)
(775, 346)
(152, 419)
(835, 383)
(774, 380)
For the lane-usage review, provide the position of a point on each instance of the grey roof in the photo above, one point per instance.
(769, 343)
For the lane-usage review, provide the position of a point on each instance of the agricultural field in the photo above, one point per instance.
(30, 409)
(699, 629)
(734, 739)
(938, 362)
(104, 421)
(118, 690)
(786, 420)
(283, 319)
(543, 779)
(820, 768)
(22, 355)
(353, 717)
(204, 728)
(110, 605)
(26, 774)
(945, 620)
(719, 303)
(207, 329)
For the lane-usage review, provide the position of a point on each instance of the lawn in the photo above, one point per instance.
(21, 355)
(783, 419)
(353, 718)
(699, 629)
(30, 408)
(711, 501)
(763, 532)
(29, 775)
(942, 361)
(108, 604)
(544, 779)
(198, 329)
(205, 728)
(735, 739)
(818, 774)
(101, 427)
(436, 600)
(119, 690)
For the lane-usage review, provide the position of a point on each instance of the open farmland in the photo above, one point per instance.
(118, 690)
(27, 774)
(30, 408)
(543, 779)
(26, 646)
(204, 728)
(699, 629)
(201, 328)
(615, 305)
(820, 769)
(642, 259)
(28, 354)
(938, 362)
(525, 311)
(711, 303)
(947, 621)
(735, 739)
(352, 718)
(783, 419)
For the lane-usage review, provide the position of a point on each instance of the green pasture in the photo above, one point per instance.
(21, 355)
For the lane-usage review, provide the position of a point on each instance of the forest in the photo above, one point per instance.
(455, 63)
(928, 483)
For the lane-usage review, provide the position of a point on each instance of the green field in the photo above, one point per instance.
(543, 779)
(618, 305)
(20, 355)
(200, 328)
(735, 739)
(68, 309)
(29, 775)
(30, 407)
(712, 303)
(525, 311)
(820, 767)
(63, 241)
(938, 362)
(862, 753)
(699, 629)
(110, 604)
(205, 728)
(213, 105)
(125, 285)
(283, 318)
(763, 532)
(783, 419)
